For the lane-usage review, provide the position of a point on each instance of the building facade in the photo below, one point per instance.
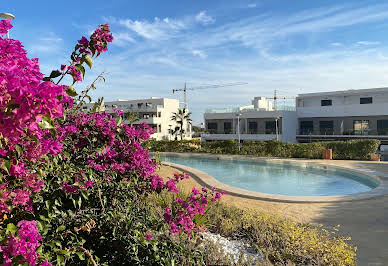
(156, 112)
(343, 115)
(258, 121)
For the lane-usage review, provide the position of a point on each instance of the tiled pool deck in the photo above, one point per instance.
(364, 216)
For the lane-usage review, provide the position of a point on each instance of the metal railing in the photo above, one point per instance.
(249, 132)
(346, 132)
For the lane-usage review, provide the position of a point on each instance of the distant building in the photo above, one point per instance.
(343, 115)
(258, 121)
(156, 112)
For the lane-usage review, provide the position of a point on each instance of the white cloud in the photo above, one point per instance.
(48, 43)
(263, 50)
(367, 43)
(203, 18)
(199, 53)
(253, 5)
(122, 38)
(156, 30)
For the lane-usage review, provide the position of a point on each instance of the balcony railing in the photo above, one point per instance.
(249, 132)
(346, 132)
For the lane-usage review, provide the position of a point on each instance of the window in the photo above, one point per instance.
(306, 127)
(326, 102)
(212, 127)
(326, 127)
(159, 128)
(366, 100)
(382, 127)
(270, 127)
(145, 116)
(139, 105)
(159, 114)
(252, 127)
(227, 127)
(361, 127)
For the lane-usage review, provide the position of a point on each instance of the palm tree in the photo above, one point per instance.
(180, 118)
(174, 132)
(131, 117)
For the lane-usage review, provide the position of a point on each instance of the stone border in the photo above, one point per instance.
(207, 180)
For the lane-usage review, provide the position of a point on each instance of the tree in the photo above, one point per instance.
(131, 117)
(180, 118)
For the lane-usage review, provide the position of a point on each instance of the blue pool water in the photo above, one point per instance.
(276, 178)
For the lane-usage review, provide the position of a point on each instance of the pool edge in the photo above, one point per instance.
(207, 180)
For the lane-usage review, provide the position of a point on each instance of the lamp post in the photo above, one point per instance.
(277, 128)
(7, 16)
(238, 130)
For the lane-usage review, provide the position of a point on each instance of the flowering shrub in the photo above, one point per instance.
(66, 173)
(28, 108)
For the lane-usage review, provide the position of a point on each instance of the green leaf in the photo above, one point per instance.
(81, 68)
(118, 119)
(81, 255)
(88, 61)
(11, 106)
(6, 165)
(71, 91)
(19, 150)
(55, 74)
(79, 202)
(11, 228)
(60, 260)
(46, 123)
(46, 79)
(61, 228)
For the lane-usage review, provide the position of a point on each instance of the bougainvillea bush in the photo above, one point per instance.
(76, 187)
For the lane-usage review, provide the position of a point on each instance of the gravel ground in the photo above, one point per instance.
(233, 248)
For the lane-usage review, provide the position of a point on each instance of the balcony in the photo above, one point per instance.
(149, 121)
(250, 135)
(334, 135)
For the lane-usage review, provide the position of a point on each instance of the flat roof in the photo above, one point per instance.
(345, 92)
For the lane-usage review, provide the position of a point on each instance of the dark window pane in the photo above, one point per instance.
(366, 100)
(382, 127)
(227, 127)
(270, 127)
(326, 127)
(211, 125)
(326, 102)
(252, 127)
(306, 127)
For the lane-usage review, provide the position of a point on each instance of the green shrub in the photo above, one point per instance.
(354, 149)
(223, 146)
(282, 241)
(342, 150)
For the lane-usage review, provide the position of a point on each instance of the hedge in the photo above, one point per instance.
(342, 150)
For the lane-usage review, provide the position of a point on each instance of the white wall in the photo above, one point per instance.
(289, 127)
(343, 105)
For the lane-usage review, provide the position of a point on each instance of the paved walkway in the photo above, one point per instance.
(366, 221)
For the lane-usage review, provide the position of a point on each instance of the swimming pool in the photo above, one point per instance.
(287, 179)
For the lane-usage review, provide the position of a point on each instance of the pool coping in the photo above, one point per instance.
(207, 180)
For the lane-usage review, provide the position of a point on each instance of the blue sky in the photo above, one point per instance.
(293, 46)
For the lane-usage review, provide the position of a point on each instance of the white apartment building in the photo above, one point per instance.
(156, 112)
(343, 115)
(258, 121)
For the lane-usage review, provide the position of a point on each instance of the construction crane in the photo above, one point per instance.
(276, 98)
(185, 89)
